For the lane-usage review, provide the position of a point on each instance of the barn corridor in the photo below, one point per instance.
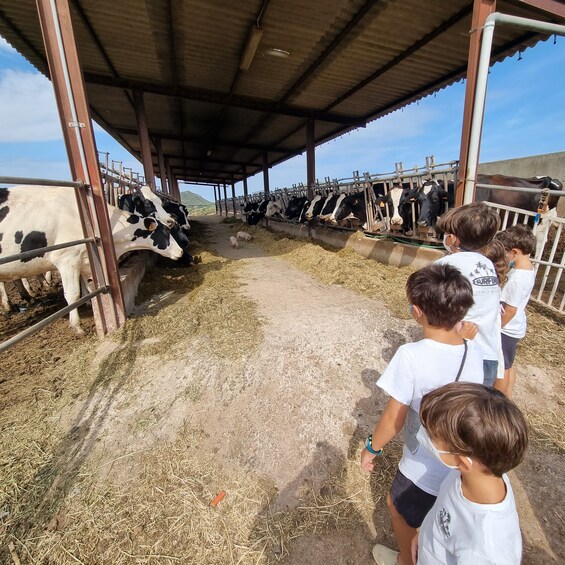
(252, 374)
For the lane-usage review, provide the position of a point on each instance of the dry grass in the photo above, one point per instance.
(547, 431)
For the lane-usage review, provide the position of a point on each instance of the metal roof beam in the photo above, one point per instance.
(210, 160)
(213, 97)
(206, 142)
(552, 6)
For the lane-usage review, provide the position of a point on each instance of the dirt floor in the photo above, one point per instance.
(252, 374)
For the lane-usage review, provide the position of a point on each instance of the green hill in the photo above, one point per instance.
(192, 200)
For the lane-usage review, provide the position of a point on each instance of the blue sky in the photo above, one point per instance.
(525, 115)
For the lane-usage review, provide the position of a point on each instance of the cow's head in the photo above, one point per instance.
(430, 197)
(132, 232)
(352, 206)
(275, 207)
(159, 212)
(315, 202)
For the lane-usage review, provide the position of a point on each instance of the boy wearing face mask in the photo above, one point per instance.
(519, 242)
(482, 435)
(439, 297)
(466, 230)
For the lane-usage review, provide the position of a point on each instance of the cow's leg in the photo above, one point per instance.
(46, 279)
(24, 289)
(70, 278)
(6, 306)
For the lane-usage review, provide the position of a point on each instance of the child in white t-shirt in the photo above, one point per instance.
(439, 297)
(482, 435)
(466, 230)
(519, 242)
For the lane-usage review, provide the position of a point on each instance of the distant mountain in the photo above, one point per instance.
(191, 200)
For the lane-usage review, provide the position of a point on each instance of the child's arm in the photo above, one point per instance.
(389, 425)
(508, 313)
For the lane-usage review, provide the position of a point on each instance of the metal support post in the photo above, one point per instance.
(233, 196)
(215, 200)
(244, 171)
(143, 133)
(266, 173)
(226, 200)
(161, 159)
(170, 182)
(219, 200)
(70, 94)
(481, 9)
(310, 159)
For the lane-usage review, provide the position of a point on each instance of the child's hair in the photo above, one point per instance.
(519, 237)
(478, 422)
(475, 225)
(442, 293)
(496, 252)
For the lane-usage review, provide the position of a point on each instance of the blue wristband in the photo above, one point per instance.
(369, 446)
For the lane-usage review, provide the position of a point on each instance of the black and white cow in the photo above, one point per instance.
(398, 207)
(295, 207)
(432, 199)
(255, 211)
(329, 206)
(146, 203)
(178, 212)
(32, 217)
(315, 207)
(351, 211)
(275, 208)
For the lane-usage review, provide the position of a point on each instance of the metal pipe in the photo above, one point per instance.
(522, 189)
(481, 86)
(40, 182)
(4, 346)
(26, 255)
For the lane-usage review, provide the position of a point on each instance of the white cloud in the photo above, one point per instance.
(5, 47)
(28, 111)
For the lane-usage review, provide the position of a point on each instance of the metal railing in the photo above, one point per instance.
(549, 260)
(27, 255)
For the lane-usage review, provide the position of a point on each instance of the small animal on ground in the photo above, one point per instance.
(233, 242)
(244, 235)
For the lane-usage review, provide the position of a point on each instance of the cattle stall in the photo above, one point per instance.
(375, 188)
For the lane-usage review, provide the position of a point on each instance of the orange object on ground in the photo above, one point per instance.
(219, 497)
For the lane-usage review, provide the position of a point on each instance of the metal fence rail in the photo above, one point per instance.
(549, 260)
(27, 255)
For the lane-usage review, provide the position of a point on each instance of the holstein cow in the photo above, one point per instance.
(432, 198)
(256, 212)
(399, 209)
(315, 207)
(178, 212)
(295, 207)
(275, 208)
(352, 210)
(145, 203)
(33, 217)
(329, 206)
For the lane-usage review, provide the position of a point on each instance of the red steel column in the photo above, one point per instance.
(244, 171)
(143, 133)
(215, 200)
(70, 94)
(162, 171)
(233, 195)
(310, 159)
(266, 173)
(481, 9)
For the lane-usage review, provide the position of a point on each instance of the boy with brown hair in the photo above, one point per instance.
(482, 435)
(466, 230)
(519, 242)
(439, 297)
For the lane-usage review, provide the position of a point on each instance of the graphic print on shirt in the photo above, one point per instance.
(483, 275)
(444, 519)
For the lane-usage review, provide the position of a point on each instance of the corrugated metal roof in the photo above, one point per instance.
(355, 59)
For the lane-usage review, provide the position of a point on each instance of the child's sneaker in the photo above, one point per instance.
(384, 555)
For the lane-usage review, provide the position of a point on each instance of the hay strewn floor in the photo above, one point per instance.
(97, 465)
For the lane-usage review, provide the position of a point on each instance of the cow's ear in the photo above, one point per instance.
(150, 224)
(381, 204)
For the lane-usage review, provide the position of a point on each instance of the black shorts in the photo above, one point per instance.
(509, 345)
(410, 501)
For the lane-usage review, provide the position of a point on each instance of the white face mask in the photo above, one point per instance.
(447, 247)
(425, 441)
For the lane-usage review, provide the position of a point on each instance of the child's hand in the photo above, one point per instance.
(415, 549)
(467, 330)
(367, 460)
